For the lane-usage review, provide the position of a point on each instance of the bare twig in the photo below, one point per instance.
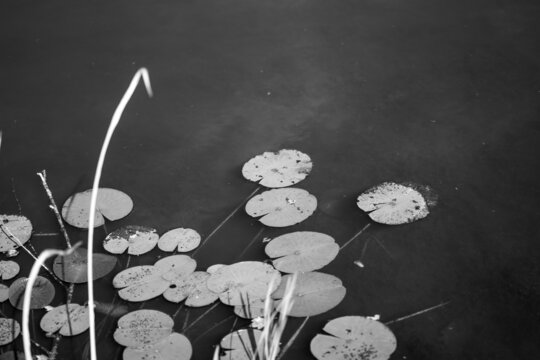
(417, 313)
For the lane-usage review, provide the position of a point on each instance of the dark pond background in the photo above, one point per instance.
(444, 93)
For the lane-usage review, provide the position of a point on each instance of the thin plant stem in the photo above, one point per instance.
(259, 233)
(15, 196)
(293, 338)
(200, 317)
(417, 313)
(220, 225)
(177, 311)
(43, 176)
(215, 326)
(142, 73)
(355, 236)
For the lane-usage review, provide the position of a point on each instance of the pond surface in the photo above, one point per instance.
(438, 93)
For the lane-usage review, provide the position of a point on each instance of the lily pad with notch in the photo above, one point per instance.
(15, 230)
(137, 240)
(354, 337)
(240, 345)
(181, 239)
(72, 268)
(173, 347)
(302, 251)
(282, 207)
(278, 169)
(111, 204)
(57, 320)
(143, 327)
(192, 289)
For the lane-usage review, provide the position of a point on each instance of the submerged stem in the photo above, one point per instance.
(355, 236)
(418, 313)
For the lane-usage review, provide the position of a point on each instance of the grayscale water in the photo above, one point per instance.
(443, 93)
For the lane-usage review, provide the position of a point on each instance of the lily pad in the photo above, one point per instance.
(314, 293)
(193, 289)
(73, 267)
(354, 337)
(173, 347)
(9, 269)
(282, 207)
(137, 240)
(243, 282)
(9, 330)
(111, 205)
(4, 293)
(42, 293)
(213, 268)
(302, 251)
(278, 169)
(181, 239)
(143, 327)
(57, 320)
(240, 345)
(141, 283)
(14, 231)
(393, 204)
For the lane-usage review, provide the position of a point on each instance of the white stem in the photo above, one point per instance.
(141, 73)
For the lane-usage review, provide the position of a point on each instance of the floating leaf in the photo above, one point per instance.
(302, 251)
(314, 293)
(8, 269)
(9, 330)
(393, 204)
(243, 282)
(143, 327)
(4, 293)
(213, 268)
(354, 337)
(15, 230)
(42, 293)
(180, 239)
(73, 267)
(111, 204)
(141, 283)
(57, 320)
(282, 207)
(240, 345)
(193, 289)
(278, 169)
(174, 347)
(137, 240)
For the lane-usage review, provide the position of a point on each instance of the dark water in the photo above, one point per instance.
(443, 93)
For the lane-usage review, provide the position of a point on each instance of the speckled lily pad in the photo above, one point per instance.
(137, 240)
(57, 320)
(9, 330)
(143, 327)
(173, 347)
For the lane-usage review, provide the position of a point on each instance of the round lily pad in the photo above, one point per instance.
(111, 205)
(282, 207)
(4, 293)
(173, 347)
(57, 320)
(240, 345)
(393, 204)
(14, 231)
(243, 282)
(143, 327)
(42, 293)
(72, 268)
(302, 251)
(137, 240)
(9, 330)
(8, 269)
(354, 337)
(193, 289)
(314, 293)
(278, 169)
(181, 239)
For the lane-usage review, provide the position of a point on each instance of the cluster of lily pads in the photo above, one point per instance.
(243, 285)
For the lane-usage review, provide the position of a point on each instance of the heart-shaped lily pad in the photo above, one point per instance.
(181, 239)
(15, 230)
(73, 267)
(193, 289)
(9, 330)
(111, 204)
(8, 269)
(354, 337)
(143, 327)
(173, 347)
(393, 204)
(302, 251)
(243, 282)
(42, 293)
(57, 320)
(137, 240)
(240, 345)
(278, 169)
(282, 207)
(141, 283)
(314, 293)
